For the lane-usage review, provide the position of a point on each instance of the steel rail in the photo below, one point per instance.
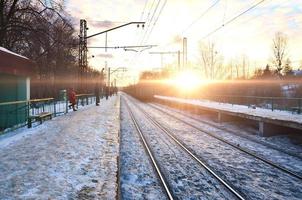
(237, 147)
(170, 134)
(230, 131)
(162, 179)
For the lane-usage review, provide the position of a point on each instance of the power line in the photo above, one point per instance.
(233, 19)
(155, 10)
(148, 31)
(150, 10)
(225, 10)
(148, 22)
(146, 2)
(160, 12)
(200, 16)
(257, 16)
(196, 20)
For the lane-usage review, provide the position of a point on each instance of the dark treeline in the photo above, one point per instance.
(42, 31)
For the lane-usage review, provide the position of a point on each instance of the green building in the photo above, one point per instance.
(15, 72)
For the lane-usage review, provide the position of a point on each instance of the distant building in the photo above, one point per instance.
(15, 72)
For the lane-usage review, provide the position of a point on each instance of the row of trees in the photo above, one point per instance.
(276, 79)
(213, 68)
(42, 31)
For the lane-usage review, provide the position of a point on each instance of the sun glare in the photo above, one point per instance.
(186, 80)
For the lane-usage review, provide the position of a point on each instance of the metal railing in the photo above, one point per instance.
(293, 105)
(15, 114)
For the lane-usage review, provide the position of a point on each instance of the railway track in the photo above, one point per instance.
(150, 154)
(183, 147)
(246, 151)
(155, 106)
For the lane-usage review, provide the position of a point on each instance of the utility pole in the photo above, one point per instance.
(83, 64)
(212, 61)
(178, 60)
(111, 72)
(184, 55)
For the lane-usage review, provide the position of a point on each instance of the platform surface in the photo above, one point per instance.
(276, 116)
(73, 156)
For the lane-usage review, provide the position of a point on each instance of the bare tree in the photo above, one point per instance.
(42, 31)
(211, 61)
(280, 51)
(287, 69)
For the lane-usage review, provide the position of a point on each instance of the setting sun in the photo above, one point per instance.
(186, 80)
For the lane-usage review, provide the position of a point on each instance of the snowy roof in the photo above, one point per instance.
(15, 64)
(10, 52)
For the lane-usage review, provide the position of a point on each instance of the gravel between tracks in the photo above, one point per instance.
(252, 177)
(289, 162)
(138, 180)
(187, 178)
(286, 142)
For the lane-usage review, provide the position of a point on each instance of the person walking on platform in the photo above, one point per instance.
(72, 99)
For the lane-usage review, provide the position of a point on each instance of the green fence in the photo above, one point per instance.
(16, 114)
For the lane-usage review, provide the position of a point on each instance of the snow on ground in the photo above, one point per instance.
(138, 178)
(69, 157)
(252, 177)
(283, 159)
(279, 142)
(258, 112)
(185, 176)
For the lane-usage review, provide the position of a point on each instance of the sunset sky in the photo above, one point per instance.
(250, 35)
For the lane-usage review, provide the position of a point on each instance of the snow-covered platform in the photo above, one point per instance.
(269, 122)
(73, 156)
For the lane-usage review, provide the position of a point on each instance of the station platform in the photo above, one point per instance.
(269, 122)
(73, 156)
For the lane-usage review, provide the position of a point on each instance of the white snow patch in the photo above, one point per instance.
(69, 157)
(258, 112)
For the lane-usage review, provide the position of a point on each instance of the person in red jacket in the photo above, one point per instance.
(72, 99)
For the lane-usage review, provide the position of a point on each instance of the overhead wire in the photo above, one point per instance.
(148, 31)
(155, 22)
(257, 16)
(155, 10)
(146, 20)
(143, 12)
(233, 19)
(200, 16)
(224, 23)
(207, 10)
(225, 10)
